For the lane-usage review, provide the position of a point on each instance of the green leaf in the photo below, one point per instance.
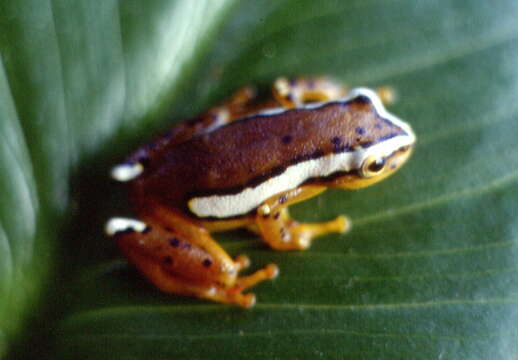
(18, 227)
(430, 268)
(72, 76)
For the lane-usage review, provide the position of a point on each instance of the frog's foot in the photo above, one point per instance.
(387, 94)
(303, 233)
(242, 262)
(299, 236)
(234, 294)
(281, 232)
(296, 92)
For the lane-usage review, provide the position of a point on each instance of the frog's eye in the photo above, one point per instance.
(372, 166)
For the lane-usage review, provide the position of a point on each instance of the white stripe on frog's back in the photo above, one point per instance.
(222, 206)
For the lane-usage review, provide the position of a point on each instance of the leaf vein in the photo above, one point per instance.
(90, 315)
(498, 183)
(269, 334)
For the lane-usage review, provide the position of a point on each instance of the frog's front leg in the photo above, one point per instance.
(283, 233)
(183, 259)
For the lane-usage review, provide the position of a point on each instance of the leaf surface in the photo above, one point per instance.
(429, 270)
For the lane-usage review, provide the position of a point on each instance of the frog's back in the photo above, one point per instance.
(250, 152)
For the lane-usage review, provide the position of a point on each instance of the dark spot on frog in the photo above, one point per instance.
(144, 161)
(283, 199)
(336, 141)
(186, 245)
(366, 144)
(360, 130)
(152, 146)
(194, 121)
(276, 216)
(362, 99)
(174, 242)
(286, 139)
(386, 137)
(146, 230)
(168, 260)
(207, 263)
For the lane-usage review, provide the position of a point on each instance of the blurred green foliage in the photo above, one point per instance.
(429, 270)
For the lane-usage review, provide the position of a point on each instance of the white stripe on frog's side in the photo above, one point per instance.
(222, 206)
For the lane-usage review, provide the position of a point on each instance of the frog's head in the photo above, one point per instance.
(385, 145)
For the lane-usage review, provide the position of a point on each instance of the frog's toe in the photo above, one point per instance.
(269, 272)
(272, 271)
(242, 262)
(246, 300)
(342, 224)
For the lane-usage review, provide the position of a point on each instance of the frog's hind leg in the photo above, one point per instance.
(183, 259)
(213, 118)
(243, 102)
(387, 94)
(171, 284)
(220, 115)
(283, 233)
(298, 91)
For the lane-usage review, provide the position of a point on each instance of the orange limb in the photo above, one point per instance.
(283, 233)
(180, 257)
(299, 91)
(169, 283)
(296, 92)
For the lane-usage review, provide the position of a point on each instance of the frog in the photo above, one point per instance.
(241, 164)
